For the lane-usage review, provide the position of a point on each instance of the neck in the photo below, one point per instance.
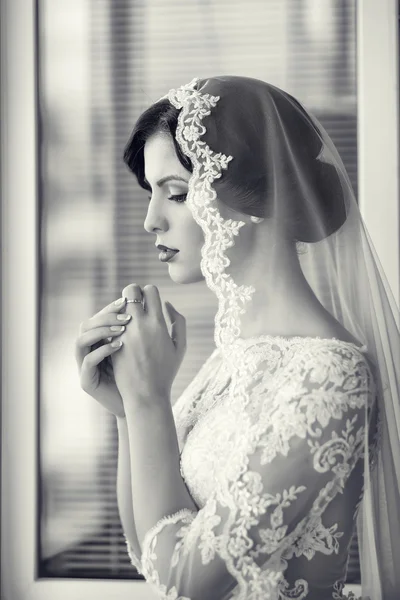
(283, 303)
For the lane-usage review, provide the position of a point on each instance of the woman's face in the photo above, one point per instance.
(168, 217)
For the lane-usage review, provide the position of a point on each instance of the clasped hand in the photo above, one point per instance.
(150, 357)
(145, 356)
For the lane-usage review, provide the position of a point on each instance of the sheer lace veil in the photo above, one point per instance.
(257, 152)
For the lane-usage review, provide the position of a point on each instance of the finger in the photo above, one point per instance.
(92, 360)
(178, 328)
(85, 341)
(105, 320)
(133, 291)
(98, 334)
(152, 300)
(114, 307)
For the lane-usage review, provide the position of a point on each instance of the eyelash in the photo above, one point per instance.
(176, 198)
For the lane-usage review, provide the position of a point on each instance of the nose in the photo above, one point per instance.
(155, 219)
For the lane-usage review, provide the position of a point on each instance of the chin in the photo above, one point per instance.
(179, 275)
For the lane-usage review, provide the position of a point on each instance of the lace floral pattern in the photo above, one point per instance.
(262, 536)
(298, 592)
(135, 560)
(148, 555)
(317, 538)
(339, 595)
(201, 199)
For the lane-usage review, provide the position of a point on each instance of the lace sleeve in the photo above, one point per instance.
(294, 450)
(135, 560)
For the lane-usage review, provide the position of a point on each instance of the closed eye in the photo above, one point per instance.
(178, 197)
(175, 198)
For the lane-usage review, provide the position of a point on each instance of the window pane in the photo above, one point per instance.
(102, 62)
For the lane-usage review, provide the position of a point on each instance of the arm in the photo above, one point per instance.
(124, 494)
(144, 372)
(157, 486)
(303, 446)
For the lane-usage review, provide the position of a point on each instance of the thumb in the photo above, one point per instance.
(178, 327)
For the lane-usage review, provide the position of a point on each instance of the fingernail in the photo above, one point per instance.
(117, 327)
(117, 344)
(124, 317)
(119, 302)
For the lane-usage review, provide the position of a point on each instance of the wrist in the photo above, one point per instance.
(148, 408)
(138, 399)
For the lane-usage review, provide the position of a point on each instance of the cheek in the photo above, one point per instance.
(194, 235)
(197, 242)
(198, 235)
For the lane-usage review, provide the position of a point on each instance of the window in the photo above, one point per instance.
(101, 64)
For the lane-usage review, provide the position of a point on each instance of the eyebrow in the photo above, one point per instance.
(163, 180)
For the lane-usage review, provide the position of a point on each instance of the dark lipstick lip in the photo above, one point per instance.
(166, 256)
(165, 248)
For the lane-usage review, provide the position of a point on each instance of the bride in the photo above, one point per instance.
(252, 485)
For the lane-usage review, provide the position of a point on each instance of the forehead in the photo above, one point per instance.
(160, 158)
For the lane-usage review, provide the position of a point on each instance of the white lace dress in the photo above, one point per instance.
(275, 468)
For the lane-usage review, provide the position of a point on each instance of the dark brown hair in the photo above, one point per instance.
(246, 189)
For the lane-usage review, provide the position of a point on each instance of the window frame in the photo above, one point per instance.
(377, 61)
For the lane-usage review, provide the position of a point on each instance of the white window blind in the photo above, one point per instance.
(102, 62)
